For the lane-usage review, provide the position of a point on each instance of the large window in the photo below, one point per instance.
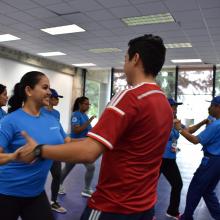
(92, 91)
(217, 81)
(119, 82)
(194, 90)
(166, 80)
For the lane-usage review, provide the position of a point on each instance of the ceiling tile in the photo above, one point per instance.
(62, 8)
(85, 5)
(41, 13)
(21, 16)
(6, 20)
(5, 8)
(112, 4)
(179, 5)
(152, 8)
(115, 23)
(127, 11)
(100, 15)
(209, 3)
(211, 13)
(21, 4)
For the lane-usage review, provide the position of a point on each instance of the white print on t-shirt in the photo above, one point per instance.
(53, 128)
(74, 119)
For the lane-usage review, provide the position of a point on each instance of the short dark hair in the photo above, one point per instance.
(19, 96)
(151, 50)
(2, 88)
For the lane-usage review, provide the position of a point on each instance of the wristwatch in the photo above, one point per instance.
(37, 151)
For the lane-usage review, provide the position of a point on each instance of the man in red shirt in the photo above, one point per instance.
(131, 134)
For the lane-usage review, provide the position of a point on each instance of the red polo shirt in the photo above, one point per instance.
(135, 128)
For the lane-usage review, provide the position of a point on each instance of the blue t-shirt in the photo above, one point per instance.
(169, 154)
(52, 112)
(55, 114)
(79, 118)
(210, 138)
(2, 113)
(23, 179)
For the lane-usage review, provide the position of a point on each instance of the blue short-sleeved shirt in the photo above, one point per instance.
(52, 112)
(79, 118)
(22, 179)
(55, 114)
(169, 154)
(2, 113)
(210, 138)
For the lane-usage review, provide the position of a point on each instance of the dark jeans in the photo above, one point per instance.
(31, 208)
(56, 179)
(203, 185)
(171, 171)
(92, 214)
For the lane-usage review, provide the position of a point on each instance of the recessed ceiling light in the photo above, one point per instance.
(149, 19)
(50, 54)
(8, 37)
(67, 29)
(187, 61)
(83, 64)
(178, 45)
(104, 50)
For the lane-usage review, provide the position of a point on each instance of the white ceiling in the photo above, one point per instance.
(197, 22)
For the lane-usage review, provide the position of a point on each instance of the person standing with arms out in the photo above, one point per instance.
(3, 100)
(56, 167)
(207, 175)
(21, 184)
(131, 135)
(80, 126)
(169, 167)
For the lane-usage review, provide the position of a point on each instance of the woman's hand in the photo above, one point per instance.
(177, 124)
(7, 157)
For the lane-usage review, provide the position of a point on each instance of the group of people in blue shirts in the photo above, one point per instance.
(31, 110)
(206, 176)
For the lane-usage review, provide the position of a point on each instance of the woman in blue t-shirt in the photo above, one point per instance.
(3, 100)
(80, 126)
(169, 167)
(21, 184)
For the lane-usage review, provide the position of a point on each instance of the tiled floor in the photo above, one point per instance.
(188, 160)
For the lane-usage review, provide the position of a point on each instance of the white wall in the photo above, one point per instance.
(12, 71)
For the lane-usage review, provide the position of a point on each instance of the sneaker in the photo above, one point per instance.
(61, 190)
(55, 206)
(87, 192)
(177, 217)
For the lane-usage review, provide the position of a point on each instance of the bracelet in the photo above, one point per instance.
(38, 151)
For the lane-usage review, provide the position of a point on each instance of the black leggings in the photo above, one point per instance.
(31, 208)
(171, 171)
(56, 178)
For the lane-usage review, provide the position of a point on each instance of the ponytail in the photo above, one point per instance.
(16, 100)
(76, 105)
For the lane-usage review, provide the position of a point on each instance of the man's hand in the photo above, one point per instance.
(25, 153)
